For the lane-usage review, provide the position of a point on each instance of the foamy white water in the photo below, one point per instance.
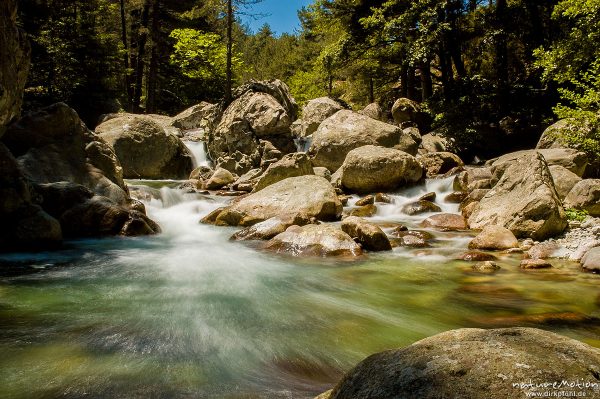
(198, 150)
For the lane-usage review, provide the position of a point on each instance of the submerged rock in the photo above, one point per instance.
(422, 206)
(372, 168)
(347, 130)
(445, 222)
(310, 195)
(474, 364)
(314, 240)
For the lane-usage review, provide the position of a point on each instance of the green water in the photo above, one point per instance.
(189, 314)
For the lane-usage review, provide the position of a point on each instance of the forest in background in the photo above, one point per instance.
(481, 69)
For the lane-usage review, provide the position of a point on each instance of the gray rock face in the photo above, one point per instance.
(585, 195)
(564, 180)
(145, 149)
(314, 240)
(347, 130)
(571, 159)
(291, 165)
(524, 201)
(474, 364)
(369, 235)
(259, 111)
(313, 114)
(14, 64)
(310, 195)
(371, 168)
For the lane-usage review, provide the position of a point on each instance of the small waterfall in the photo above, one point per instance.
(198, 150)
(441, 187)
(303, 143)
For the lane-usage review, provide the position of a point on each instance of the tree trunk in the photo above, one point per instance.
(426, 83)
(151, 82)
(501, 55)
(140, 58)
(128, 88)
(410, 83)
(134, 17)
(229, 72)
(404, 81)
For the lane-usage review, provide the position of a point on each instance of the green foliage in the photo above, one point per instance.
(573, 62)
(577, 215)
(200, 55)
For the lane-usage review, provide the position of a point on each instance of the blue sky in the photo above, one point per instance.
(280, 14)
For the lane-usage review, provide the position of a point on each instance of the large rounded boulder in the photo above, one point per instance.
(310, 195)
(347, 130)
(146, 150)
(371, 168)
(524, 201)
(475, 364)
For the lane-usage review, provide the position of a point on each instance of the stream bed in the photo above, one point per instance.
(190, 314)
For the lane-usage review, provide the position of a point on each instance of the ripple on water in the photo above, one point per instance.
(191, 314)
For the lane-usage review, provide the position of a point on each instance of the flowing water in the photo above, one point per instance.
(190, 314)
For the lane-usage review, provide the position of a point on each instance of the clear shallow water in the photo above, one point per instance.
(189, 314)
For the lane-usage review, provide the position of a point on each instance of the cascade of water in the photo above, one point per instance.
(441, 187)
(303, 143)
(198, 150)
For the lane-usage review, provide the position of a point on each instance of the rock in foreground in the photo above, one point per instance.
(474, 364)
